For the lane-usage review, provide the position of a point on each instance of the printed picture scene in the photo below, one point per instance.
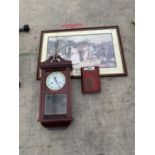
(84, 50)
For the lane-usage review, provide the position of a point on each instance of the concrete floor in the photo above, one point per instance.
(103, 123)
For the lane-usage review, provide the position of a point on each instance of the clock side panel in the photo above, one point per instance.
(69, 89)
(42, 92)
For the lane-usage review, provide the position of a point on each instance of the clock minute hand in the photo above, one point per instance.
(55, 79)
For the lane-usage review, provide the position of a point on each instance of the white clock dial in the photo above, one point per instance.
(55, 80)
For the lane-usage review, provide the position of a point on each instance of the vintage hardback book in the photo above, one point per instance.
(90, 79)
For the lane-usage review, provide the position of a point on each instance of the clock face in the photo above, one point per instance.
(55, 81)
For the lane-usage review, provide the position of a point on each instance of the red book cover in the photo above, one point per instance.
(90, 79)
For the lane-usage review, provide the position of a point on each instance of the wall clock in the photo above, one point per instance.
(55, 93)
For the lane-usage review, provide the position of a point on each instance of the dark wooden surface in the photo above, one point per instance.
(48, 67)
(90, 80)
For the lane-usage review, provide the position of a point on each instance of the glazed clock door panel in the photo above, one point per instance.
(55, 104)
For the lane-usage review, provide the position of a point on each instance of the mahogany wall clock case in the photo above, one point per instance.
(55, 93)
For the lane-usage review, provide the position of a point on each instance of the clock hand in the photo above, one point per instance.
(55, 79)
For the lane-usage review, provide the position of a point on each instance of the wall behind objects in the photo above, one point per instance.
(104, 122)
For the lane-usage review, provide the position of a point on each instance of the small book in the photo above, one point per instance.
(90, 79)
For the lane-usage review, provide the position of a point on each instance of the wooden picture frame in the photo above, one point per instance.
(94, 46)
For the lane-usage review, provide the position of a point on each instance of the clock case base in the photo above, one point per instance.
(51, 124)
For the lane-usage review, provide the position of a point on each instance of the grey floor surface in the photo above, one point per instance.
(103, 123)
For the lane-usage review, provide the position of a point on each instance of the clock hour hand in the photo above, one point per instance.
(55, 79)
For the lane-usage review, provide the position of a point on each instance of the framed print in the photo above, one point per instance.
(97, 46)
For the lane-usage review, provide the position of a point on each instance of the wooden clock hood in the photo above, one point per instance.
(55, 61)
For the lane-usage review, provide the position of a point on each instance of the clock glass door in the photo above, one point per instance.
(55, 104)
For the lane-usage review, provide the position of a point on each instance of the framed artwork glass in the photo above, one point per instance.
(85, 47)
